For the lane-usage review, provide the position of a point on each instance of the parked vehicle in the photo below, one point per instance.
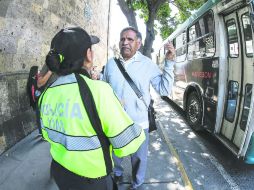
(214, 72)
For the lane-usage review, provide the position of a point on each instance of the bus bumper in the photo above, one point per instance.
(249, 158)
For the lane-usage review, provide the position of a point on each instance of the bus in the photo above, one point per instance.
(214, 72)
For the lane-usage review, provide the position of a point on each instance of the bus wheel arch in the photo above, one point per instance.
(194, 110)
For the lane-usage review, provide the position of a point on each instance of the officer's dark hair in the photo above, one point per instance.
(138, 34)
(68, 50)
(55, 65)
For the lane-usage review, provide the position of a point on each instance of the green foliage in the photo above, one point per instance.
(185, 8)
(164, 11)
(167, 22)
(141, 7)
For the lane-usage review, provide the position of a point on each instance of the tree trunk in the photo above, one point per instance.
(150, 36)
(153, 7)
(129, 13)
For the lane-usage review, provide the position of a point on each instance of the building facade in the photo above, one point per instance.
(26, 29)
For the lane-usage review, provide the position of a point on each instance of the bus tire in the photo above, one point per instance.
(194, 112)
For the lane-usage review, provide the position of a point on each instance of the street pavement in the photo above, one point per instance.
(26, 165)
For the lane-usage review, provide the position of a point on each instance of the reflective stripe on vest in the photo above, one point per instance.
(133, 131)
(91, 143)
(73, 143)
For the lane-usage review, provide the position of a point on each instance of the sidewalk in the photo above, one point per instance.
(26, 166)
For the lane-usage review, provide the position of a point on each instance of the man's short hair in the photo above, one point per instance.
(138, 34)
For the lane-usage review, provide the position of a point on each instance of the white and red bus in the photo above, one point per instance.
(214, 72)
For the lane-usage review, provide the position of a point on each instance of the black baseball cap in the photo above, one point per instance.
(71, 44)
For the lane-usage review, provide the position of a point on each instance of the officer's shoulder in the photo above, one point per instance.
(99, 85)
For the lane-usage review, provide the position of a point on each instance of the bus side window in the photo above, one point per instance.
(201, 37)
(198, 29)
(246, 106)
(209, 32)
(192, 33)
(247, 34)
(252, 20)
(191, 46)
(180, 46)
(233, 45)
(231, 100)
(209, 25)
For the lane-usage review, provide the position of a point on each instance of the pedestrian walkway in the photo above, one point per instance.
(26, 166)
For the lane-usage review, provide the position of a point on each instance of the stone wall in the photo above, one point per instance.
(26, 29)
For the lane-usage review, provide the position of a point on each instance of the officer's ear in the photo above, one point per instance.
(88, 62)
(89, 55)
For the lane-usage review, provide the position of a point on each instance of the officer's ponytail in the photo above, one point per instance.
(53, 61)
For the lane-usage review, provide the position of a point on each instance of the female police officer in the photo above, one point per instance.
(81, 118)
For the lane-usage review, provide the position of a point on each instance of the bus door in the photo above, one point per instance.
(240, 76)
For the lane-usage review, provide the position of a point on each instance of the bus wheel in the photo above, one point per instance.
(194, 111)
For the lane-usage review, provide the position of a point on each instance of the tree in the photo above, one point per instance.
(185, 7)
(157, 10)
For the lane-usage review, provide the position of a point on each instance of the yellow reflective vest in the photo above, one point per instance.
(66, 126)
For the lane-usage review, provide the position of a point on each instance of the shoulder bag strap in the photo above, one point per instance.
(129, 80)
(93, 116)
